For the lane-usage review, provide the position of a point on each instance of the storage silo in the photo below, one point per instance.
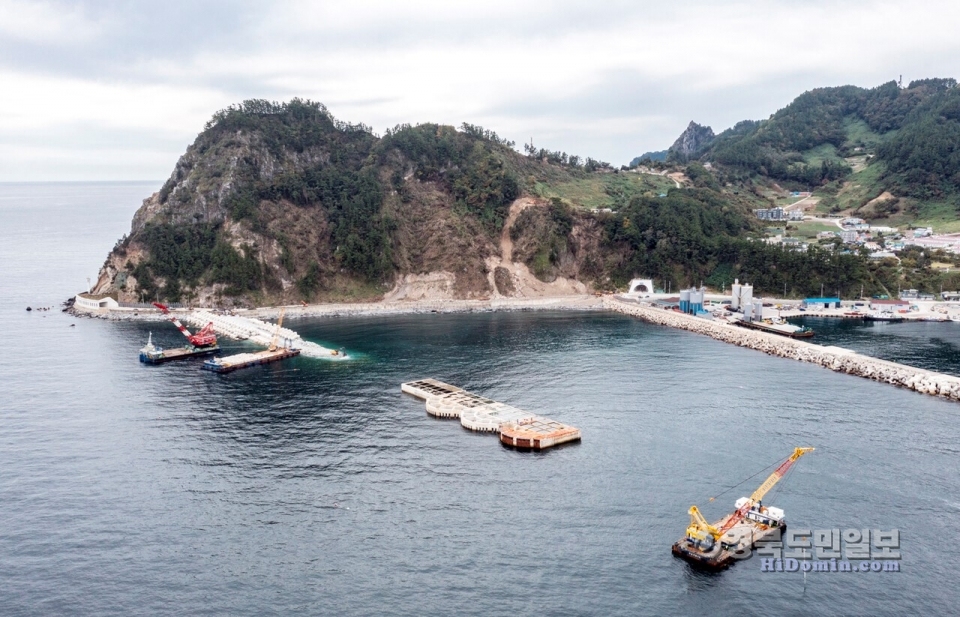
(684, 300)
(758, 307)
(735, 297)
(696, 301)
(748, 312)
(746, 294)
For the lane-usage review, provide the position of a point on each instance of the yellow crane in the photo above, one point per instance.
(705, 535)
(276, 333)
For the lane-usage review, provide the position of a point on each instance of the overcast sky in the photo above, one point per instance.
(112, 90)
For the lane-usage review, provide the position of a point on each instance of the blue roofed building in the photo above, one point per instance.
(821, 303)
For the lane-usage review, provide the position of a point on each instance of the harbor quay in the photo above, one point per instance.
(833, 358)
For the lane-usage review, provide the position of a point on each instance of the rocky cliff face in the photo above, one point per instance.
(284, 203)
(694, 139)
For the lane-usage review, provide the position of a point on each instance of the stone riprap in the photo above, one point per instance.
(833, 358)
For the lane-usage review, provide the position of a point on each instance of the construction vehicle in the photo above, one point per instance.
(203, 338)
(716, 546)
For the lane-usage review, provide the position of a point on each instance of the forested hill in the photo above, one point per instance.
(283, 202)
(908, 136)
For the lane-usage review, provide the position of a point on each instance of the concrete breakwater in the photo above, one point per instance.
(260, 332)
(833, 358)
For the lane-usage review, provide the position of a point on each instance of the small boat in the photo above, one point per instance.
(884, 316)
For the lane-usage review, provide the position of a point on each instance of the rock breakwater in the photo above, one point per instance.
(833, 358)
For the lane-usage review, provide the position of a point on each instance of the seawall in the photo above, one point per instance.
(358, 309)
(833, 358)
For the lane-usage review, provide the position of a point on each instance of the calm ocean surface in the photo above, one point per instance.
(311, 487)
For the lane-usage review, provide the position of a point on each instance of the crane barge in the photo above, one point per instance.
(203, 343)
(716, 546)
(154, 354)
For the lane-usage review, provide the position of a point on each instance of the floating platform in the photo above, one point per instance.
(245, 360)
(517, 428)
(537, 433)
(158, 355)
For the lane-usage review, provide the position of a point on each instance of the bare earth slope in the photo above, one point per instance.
(282, 204)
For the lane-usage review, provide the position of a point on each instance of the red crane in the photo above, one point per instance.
(203, 338)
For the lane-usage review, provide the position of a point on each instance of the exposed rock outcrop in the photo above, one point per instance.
(694, 139)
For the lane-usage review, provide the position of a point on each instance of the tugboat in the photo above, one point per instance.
(152, 354)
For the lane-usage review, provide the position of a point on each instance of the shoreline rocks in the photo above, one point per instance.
(833, 358)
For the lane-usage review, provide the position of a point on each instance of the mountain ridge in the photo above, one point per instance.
(282, 202)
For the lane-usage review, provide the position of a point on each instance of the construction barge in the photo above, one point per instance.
(517, 428)
(782, 328)
(203, 343)
(245, 360)
(273, 353)
(152, 354)
(716, 547)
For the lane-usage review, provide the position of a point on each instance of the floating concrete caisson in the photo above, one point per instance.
(517, 427)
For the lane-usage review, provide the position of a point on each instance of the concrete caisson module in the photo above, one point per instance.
(517, 428)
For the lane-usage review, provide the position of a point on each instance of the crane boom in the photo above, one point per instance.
(778, 473)
(699, 528)
(276, 333)
(203, 338)
(758, 494)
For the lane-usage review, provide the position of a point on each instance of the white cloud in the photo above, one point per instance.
(45, 22)
(608, 80)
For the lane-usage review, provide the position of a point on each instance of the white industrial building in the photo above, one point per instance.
(95, 302)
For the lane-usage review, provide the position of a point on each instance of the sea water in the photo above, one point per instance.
(309, 487)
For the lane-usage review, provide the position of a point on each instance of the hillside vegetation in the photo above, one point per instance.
(283, 202)
(852, 145)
